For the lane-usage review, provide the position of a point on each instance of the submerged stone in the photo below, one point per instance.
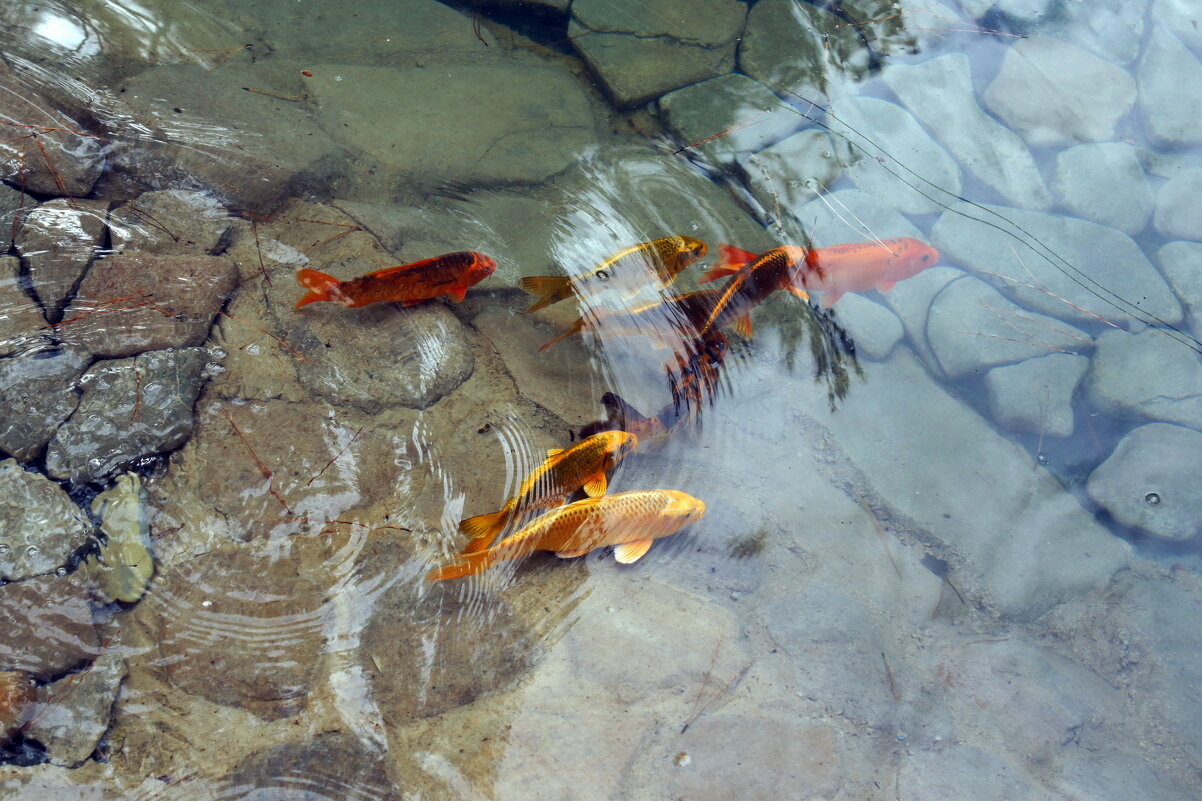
(792, 172)
(40, 527)
(47, 621)
(873, 327)
(17, 695)
(1112, 29)
(130, 408)
(170, 221)
(939, 92)
(329, 765)
(1051, 92)
(1169, 75)
(133, 302)
(1146, 376)
(21, 321)
(58, 240)
(38, 392)
(1178, 213)
(1036, 396)
(1150, 481)
(1181, 263)
(74, 712)
(73, 158)
(1104, 182)
(753, 115)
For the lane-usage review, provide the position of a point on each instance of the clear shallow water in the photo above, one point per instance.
(901, 586)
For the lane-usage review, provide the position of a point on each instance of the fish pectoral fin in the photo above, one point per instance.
(595, 487)
(799, 292)
(571, 554)
(885, 286)
(547, 288)
(458, 293)
(629, 552)
(743, 326)
(718, 271)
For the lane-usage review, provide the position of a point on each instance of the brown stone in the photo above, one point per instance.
(47, 625)
(242, 628)
(134, 302)
(21, 320)
(171, 221)
(328, 765)
(57, 240)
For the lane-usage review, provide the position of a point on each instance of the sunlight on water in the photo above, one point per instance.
(600, 400)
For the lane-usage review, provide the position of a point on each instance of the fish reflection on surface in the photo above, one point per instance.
(628, 520)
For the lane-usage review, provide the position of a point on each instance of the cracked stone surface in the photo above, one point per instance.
(57, 241)
(76, 711)
(37, 393)
(130, 408)
(21, 321)
(48, 626)
(72, 163)
(170, 221)
(1145, 376)
(1150, 481)
(753, 114)
(641, 49)
(40, 526)
(1036, 396)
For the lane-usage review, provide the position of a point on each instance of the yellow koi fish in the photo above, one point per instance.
(667, 257)
(627, 520)
(581, 466)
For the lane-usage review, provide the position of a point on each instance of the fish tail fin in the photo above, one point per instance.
(320, 286)
(576, 328)
(467, 565)
(483, 529)
(733, 258)
(548, 289)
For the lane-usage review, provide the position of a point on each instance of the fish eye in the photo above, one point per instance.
(603, 275)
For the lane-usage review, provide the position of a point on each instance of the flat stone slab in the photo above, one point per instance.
(1086, 270)
(1104, 182)
(877, 129)
(1036, 396)
(40, 526)
(792, 172)
(73, 157)
(58, 240)
(169, 221)
(130, 408)
(873, 327)
(939, 93)
(1181, 264)
(1146, 376)
(495, 122)
(133, 302)
(76, 711)
(1051, 92)
(37, 393)
(753, 115)
(1150, 481)
(1112, 29)
(21, 321)
(48, 626)
(1170, 113)
(1178, 215)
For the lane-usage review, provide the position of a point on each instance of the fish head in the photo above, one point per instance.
(682, 508)
(914, 257)
(622, 443)
(481, 267)
(692, 249)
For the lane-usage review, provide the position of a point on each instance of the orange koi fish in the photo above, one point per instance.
(666, 257)
(628, 520)
(408, 284)
(549, 485)
(853, 267)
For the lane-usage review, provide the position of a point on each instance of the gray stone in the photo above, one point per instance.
(427, 357)
(496, 122)
(40, 526)
(1181, 263)
(1112, 29)
(911, 302)
(37, 393)
(21, 321)
(940, 774)
(877, 129)
(971, 327)
(47, 624)
(1021, 544)
(1168, 76)
(1051, 92)
(791, 173)
(133, 302)
(1036, 396)
(1104, 182)
(641, 49)
(76, 711)
(1145, 376)
(852, 215)
(754, 116)
(58, 240)
(14, 206)
(1062, 266)
(872, 326)
(1118, 777)
(1178, 213)
(939, 92)
(1180, 17)
(61, 159)
(531, 6)
(1150, 481)
(170, 221)
(130, 408)
(284, 772)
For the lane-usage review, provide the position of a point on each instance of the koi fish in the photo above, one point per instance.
(679, 314)
(408, 284)
(667, 256)
(853, 267)
(581, 466)
(628, 520)
(753, 282)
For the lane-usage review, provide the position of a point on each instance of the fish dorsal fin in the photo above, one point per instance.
(571, 554)
(554, 451)
(885, 286)
(799, 292)
(629, 552)
(731, 256)
(743, 326)
(595, 487)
